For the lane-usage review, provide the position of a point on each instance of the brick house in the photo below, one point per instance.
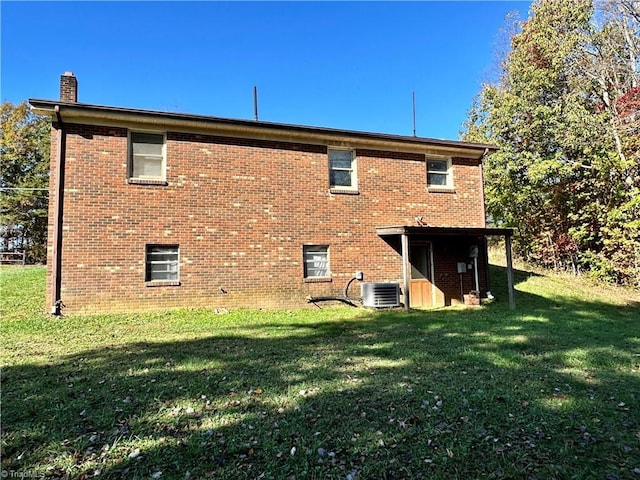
(154, 210)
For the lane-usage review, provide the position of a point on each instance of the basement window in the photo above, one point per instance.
(162, 265)
(316, 262)
(342, 170)
(147, 163)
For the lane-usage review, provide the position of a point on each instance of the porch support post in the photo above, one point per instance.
(405, 270)
(510, 287)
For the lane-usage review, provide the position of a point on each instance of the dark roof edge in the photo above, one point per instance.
(51, 104)
(428, 230)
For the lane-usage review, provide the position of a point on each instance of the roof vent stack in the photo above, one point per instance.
(68, 87)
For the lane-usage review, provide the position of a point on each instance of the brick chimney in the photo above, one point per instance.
(68, 87)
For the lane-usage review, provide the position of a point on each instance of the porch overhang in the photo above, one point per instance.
(407, 231)
(443, 231)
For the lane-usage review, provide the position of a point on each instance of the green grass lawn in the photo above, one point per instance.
(551, 390)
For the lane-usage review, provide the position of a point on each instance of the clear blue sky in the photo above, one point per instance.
(327, 64)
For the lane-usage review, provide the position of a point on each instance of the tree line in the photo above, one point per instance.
(565, 113)
(24, 181)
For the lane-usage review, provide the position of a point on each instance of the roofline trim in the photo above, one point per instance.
(101, 114)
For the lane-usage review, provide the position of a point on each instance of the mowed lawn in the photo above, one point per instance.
(551, 390)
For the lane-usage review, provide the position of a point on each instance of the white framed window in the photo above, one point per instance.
(162, 263)
(147, 156)
(439, 173)
(316, 261)
(342, 169)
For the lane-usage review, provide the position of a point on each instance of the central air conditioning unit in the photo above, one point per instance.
(380, 295)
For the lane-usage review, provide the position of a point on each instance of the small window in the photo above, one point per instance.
(342, 172)
(146, 156)
(162, 263)
(439, 173)
(316, 261)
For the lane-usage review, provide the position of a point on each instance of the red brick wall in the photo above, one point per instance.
(447, 252)
(240, 210)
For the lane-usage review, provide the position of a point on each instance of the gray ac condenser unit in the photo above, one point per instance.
(380, 295)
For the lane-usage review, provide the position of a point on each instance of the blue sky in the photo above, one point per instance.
(328, 64)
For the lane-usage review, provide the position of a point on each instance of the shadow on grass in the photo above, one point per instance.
(548, 391)
(559, 300)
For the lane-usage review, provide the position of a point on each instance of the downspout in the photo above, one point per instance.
(483, 219)
(56, 271)
(483, 213)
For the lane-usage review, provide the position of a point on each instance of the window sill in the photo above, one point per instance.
(163, 283)
(344, 191)
(147, 181)
(318, 280)
(441, 190)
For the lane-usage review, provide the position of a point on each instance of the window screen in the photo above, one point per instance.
(147, 155)
(438, 173)
(316, 261)
(341, 171)
(162, 263)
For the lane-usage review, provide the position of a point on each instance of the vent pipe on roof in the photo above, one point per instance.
(68, 87)
(414, 112)
(255, 103)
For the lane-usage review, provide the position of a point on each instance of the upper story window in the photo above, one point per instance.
(342, 170)
(439, 173)
(316, 261)
(147, 156)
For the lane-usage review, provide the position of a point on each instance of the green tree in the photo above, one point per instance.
(566, 174)
(611, 61)
(24, 180)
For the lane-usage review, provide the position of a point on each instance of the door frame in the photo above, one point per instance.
(431, 273)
